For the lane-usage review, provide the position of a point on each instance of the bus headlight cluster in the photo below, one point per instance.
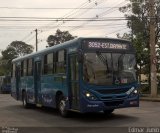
(89, 95)
(132, 90)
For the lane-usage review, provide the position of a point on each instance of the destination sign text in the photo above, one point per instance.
(106, 45)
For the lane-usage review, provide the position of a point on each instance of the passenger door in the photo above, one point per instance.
(74, 82)
(18, 75)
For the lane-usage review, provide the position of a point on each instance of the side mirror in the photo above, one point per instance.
(80, 57)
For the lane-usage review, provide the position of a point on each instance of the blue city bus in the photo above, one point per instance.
(82, 75)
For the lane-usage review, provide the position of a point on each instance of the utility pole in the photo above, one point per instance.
(36, 39)
(153, 58)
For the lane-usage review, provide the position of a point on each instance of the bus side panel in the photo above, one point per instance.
(22, 86)
(13, 89)
(30, 89)
(27, 85)
(48, 90)
(50, 86)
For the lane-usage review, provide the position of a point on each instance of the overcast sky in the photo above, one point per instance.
(57, 10)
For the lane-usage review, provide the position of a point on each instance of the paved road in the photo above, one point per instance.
(12, 114)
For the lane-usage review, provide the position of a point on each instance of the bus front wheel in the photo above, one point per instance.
(62, 107)
(108, 112)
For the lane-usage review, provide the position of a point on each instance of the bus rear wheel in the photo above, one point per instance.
(24, 100)
(62, 107)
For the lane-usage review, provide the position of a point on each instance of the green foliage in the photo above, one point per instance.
(142, 51)
(21, 48)
(2, 69)
(59, 37)
(125, 36)
(14, 50)
(138, 21)
(9, 53)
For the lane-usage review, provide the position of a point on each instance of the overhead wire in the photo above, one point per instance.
(96, 17)
(68, 17)
(54, 8)
(30, 38)
(26, 36)
(65, 26)
(79, 13)
(90, 7)
(72, 14)
(116, 31)
(112, 8)
(68, 13)
(80, 6)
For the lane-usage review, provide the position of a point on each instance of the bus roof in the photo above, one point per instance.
(67, 43)
(63, 45)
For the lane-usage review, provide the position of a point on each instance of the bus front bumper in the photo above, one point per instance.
(97, 106)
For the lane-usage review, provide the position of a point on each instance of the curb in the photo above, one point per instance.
(150, 99)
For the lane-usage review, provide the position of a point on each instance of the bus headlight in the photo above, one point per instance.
(89, 95)
(135, 91)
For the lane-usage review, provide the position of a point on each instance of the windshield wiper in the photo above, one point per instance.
(103, 59)
(120, 61)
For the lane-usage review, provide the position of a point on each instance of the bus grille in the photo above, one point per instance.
(113, 91)
(113, 103)
(111, 97)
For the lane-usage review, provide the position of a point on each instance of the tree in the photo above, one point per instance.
(139, 22)
(21, 48)
(14, 50)
(59, 37)
(125, 36)
(9, 53)
(2, 68)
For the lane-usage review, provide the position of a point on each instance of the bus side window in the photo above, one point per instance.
(25, 68)
(29, 67)
(61, 61)
(13, 70)
(21, 68)
(48, 64)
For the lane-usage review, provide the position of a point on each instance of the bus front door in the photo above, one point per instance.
(37, 82)
(74, 84)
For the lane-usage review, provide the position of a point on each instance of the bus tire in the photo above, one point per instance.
(61, 107)
(108, 112)
(24, 100)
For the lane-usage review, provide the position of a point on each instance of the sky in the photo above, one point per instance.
(20, 18)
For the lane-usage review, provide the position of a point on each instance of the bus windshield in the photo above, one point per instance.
(109, 68)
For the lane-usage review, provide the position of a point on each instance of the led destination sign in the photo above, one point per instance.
(107, 45)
